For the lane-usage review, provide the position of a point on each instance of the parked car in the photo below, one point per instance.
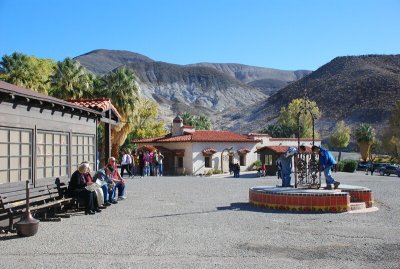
(362, 166)
(389, 170)
(378, 166)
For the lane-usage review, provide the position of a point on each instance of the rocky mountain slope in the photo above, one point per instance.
(103, 61)
(352, 88)
(246, 98)
(269, 80)
(200, 88)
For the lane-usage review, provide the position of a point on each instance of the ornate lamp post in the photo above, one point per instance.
(306, 168)
(306, 107)
(222, 155)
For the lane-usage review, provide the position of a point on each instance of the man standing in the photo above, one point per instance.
(160, 164)
(326, 162)
(286, 166)
(126, 163)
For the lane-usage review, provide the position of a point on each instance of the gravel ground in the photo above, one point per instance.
(206, 222)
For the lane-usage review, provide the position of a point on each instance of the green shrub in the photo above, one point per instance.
(349, 166)
(216, 171)
(210, 172)
(339, 166)
(257, 164)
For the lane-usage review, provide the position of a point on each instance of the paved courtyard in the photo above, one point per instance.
(205, 222)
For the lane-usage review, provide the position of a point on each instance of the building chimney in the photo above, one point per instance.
(177, 125)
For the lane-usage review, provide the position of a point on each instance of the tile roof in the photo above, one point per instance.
(243, 151)
(280, 149)
(209, 151)
(146, 147)
(219, 136)
(100, 104)
(292, 139)
(276, 149)
(199, 136)
(257, 134)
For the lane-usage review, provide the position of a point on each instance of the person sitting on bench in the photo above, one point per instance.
(104, 179)
(118, 180)
(77, 187)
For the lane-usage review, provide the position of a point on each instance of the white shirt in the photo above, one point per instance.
(126, 159)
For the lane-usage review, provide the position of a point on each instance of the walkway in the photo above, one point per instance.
(206, 222)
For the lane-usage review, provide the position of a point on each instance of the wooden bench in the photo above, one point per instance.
(42, 198)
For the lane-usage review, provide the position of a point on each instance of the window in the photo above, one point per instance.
(83, 147)
(180, 162)
(207, 161)
(242, 159)
(52, 154)
(15, 155)
(268, 159)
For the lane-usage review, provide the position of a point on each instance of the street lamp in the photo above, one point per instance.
(222, 154)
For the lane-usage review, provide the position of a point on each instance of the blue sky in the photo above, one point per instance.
(284, 34)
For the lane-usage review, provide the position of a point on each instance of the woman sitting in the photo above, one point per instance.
(78, 184)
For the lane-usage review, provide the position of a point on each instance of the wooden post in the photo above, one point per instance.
(107, 141)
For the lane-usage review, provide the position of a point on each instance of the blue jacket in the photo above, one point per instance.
(326, 158)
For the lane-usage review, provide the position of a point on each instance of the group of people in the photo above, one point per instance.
(105, 188)
(145, 163)
(235, 169)
(326, 162)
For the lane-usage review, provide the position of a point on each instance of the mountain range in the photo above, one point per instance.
(208, 88)
(355, 89)
(246, 98)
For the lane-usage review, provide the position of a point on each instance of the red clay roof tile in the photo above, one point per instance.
(100, 104)
(199, 136)
(280, 149)
(209, 151)
(243, 151)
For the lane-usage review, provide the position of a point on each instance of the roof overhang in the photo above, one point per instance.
(208, 151)
(108, 112)
(243, 151)
(20, 96)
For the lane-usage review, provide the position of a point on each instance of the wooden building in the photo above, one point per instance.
(42, 137)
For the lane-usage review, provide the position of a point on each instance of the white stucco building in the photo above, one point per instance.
(194, 152)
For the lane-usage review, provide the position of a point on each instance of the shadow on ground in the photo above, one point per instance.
(251, 208)
(9, 236)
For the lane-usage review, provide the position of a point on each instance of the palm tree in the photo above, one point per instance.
(120, 85)
(365, 136)
(9, 63)
(203, 123)
(71, 80)
(27, 71)
(187, 118)
(16, 68)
